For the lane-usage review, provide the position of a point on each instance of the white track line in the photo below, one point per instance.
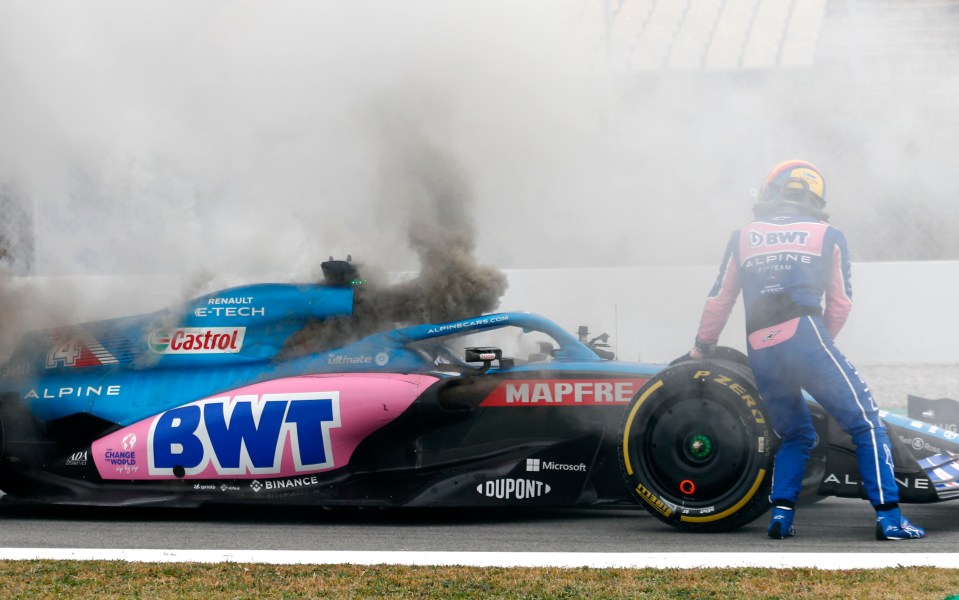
(672, 560)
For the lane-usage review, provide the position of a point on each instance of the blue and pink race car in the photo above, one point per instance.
(273, 394)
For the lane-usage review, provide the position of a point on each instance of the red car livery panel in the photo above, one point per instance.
(569, 392)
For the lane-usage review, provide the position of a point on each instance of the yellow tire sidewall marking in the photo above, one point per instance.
(629, 423)
(732, 509)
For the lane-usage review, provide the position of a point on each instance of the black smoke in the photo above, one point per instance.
(425, 188)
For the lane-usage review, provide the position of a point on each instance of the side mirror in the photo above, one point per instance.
(485, 355)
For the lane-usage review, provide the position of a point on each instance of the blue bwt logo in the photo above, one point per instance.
(246, 436)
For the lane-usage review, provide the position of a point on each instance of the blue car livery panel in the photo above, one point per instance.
(268, 394)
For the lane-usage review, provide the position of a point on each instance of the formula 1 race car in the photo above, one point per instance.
(222, 401)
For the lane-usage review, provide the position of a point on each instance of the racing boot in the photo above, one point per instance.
(891, 525)
(781, 524)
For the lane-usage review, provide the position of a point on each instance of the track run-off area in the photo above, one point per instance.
(832, 534)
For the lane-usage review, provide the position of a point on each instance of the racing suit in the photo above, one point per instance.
(784, 264)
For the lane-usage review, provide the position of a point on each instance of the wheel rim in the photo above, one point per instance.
(696, 451)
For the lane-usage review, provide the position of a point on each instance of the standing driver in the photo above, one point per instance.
(785, 261)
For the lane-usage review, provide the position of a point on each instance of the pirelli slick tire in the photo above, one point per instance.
(696, 449)
(730, 354)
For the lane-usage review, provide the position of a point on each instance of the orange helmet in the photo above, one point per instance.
(793, 183)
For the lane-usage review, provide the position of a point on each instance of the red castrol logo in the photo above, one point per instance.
(197, 340)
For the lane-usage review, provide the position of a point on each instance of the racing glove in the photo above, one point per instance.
(701, 349)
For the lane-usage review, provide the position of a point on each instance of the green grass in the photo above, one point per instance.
(116, 579)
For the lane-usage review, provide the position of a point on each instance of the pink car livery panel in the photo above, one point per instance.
(280, 428)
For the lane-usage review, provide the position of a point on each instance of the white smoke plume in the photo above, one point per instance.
(228, 141)
(224, 141)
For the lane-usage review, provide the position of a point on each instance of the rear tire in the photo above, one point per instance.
(696, 450)
(730, 354)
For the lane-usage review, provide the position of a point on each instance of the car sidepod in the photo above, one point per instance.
(512, 439)
(293, 434)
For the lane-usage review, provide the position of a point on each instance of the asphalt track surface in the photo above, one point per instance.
(832, 525)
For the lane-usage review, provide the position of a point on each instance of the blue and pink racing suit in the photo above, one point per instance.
(784, 265)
